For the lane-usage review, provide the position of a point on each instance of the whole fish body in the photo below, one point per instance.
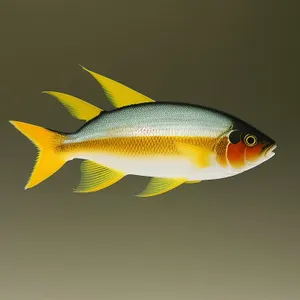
(174, 143)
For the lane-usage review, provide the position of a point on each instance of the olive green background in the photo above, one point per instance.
(231, 239)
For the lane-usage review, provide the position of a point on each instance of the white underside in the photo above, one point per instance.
(166, 167)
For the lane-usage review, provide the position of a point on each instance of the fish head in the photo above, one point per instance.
(248, 147)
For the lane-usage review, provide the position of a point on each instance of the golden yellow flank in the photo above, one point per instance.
(139, 146)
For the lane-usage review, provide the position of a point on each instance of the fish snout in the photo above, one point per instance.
(269, 150)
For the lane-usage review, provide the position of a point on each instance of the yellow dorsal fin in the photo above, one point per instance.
(201, 157)
(119, 94)
(78, 108)
(158, 186)
(193, 181)
(96, 177)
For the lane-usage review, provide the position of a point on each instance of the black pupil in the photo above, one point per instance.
(250, 140)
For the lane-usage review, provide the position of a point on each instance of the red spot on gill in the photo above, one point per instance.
(236, 155)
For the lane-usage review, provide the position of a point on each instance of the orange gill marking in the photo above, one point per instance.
(236, 154)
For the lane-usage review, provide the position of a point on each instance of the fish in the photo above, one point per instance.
(173, 143)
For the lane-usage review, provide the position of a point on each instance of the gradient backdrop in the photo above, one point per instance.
(232, 239)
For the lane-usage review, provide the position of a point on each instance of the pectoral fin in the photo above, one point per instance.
(96, 177)
(119, 94)
(201, 157)
(158, 186)
(76, 107)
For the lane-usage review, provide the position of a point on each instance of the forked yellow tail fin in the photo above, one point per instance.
(49, 160)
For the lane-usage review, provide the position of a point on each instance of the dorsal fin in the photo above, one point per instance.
(78, 108)
(119, 94)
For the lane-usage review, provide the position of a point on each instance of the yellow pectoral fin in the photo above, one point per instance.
(96, 177)
(119, 94)
(78, 108)
(158, 186)
(199, 156)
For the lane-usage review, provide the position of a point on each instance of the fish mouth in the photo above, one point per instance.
(269, 152)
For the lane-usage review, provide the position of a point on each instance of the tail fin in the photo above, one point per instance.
(49, 160)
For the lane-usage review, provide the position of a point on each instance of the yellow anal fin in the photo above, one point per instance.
(119, 94)
(158, 186)
(199, 156)
(96, 177)
(193, 181)
(49, 159)
(78, 108)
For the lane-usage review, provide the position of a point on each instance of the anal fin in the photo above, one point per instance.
(158, 186)
(78, 108)
(96, 177)
(193, 181)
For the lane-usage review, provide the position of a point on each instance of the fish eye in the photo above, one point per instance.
(250, 140)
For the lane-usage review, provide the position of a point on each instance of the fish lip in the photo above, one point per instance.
(269, 152)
